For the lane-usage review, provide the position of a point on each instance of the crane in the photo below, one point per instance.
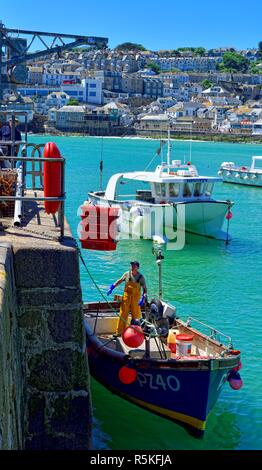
(13, 60)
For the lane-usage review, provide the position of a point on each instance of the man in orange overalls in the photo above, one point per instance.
(132, 300)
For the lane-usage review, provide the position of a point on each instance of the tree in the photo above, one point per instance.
(73, 102)
(130, 46)
(260, 49)
(200, 51)
(176, 53)
(206, 84)
(184, 49)
(154, 67)
(233, 62)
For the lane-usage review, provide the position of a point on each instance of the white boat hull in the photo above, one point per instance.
(237, 176)
(205, 218)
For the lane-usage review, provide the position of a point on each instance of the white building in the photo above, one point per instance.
(93, 90)
(257, 128)
(52, 115)
(196, 64)
(57, 99)
(55, 77)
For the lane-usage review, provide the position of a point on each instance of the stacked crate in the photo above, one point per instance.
(8, 180)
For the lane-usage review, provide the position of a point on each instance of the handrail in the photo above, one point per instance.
(37, 198)
(34, 159)
(214, 331)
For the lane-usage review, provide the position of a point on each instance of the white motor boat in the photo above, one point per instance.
(250, 176)
(176, 194)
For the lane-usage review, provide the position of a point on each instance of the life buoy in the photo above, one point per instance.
(52, 177)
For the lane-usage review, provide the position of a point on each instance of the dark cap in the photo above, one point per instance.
(135, 262)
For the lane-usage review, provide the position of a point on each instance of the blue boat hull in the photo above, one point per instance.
(183, 391)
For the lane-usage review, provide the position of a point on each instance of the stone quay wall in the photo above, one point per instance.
(11, 377)
(44, 377)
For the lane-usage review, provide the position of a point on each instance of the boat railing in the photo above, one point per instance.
(213, 333)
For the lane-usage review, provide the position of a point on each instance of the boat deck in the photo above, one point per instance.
(102, 321)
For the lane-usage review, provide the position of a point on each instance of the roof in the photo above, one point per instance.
(72, 109)
(155, 117)
(36, 69)
(57, 93)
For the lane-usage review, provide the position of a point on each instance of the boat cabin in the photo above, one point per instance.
(256, 164)
(168, 183)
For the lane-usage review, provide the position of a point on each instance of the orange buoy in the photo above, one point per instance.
(52, 177)
(127, 375)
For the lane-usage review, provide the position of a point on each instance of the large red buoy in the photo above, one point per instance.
(98, 228)
(126, 375)
(133, 336)
(52, 177)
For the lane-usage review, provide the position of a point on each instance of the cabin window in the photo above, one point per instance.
(187, 190)
(174, 189)
(163, 190)
(209, 189)
(198, 189)
(158, 189)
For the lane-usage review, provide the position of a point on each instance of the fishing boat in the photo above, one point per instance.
(249, 176)
(170, 367)
(176, 197)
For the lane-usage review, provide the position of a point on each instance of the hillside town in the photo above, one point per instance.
(132, 91)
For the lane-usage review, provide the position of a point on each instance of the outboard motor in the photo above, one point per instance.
(156, 312)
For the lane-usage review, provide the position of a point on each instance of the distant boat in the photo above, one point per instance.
(249, 176)
(172, 186)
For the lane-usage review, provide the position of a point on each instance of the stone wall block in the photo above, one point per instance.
(59, 371)
(36, 413)
(53, 442)
(66, 325)
(53, 267)
(55, 296)
(72, 414)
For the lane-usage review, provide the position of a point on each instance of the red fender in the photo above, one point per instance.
(52, 177)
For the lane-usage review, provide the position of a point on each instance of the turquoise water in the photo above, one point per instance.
(217, 284)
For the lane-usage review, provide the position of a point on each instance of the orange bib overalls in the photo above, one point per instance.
(129, 303)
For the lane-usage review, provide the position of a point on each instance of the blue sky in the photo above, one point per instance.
(154, 23)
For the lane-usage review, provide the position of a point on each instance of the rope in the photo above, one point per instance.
(100, 291)
(94, 282)
(228, 223)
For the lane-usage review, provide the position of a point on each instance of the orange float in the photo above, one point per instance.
(52, 177)
(98, 228)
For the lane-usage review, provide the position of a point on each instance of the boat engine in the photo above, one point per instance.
(155, 315)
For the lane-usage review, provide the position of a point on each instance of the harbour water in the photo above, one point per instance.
(215, 283)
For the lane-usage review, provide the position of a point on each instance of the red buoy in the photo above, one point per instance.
(133, 336)
(52, 177)
(235, 381)
(229, 215)
(126, 375)
(98, 228)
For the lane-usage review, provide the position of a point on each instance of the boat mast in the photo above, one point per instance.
(168, 148)
(101, 165)
(190, 144)
(159, 257)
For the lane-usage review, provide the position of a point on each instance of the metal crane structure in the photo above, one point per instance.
(14, 51)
